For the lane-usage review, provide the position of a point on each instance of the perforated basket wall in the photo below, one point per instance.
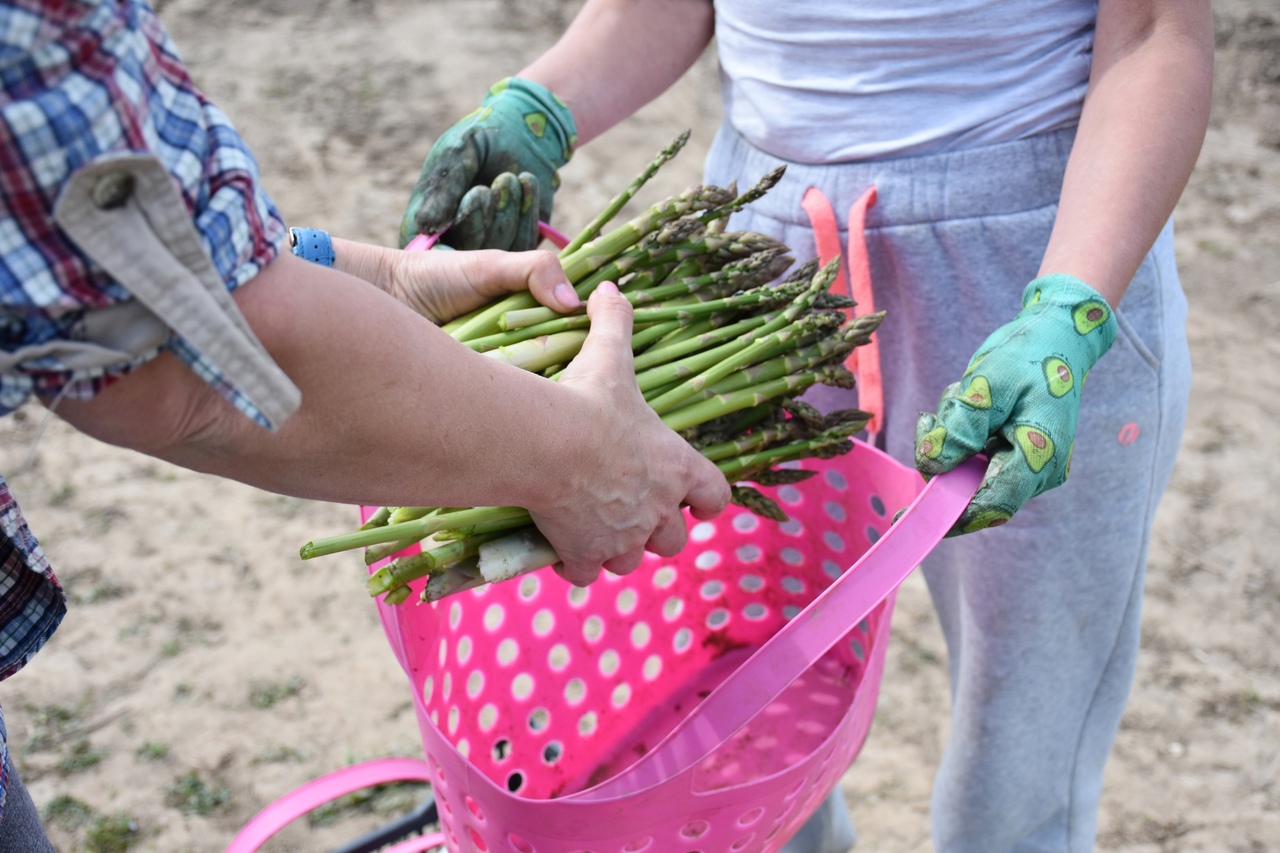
(531, 692)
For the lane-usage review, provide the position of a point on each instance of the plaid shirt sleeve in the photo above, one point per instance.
(84, 79)
(80, 79)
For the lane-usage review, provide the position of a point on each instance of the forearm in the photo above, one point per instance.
(394, 411)
(1141, 130)
(618, 55)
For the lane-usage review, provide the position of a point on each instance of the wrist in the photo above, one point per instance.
(546, 116)
(364, 261)
(312, 244)
(1089, 313)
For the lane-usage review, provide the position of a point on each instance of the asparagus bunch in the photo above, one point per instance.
(721, 354)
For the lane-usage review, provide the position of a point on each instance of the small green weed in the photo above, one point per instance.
(267, 694)
(192, 795)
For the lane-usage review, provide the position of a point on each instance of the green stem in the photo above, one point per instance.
(620, 200)
(420, 528)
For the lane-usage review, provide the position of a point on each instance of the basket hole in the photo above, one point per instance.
(742, 842)
(508, 650)
(493, 616)
(745, 522)
(672, 607)
(621, 695)
(587, 723)
(475, 683)
(529, 585)
(609, 662)
(575, 691)
(446, 686)
(640, 635)
(707, 560)
(664, 577)
(694, 829)
(487, 717)
(464, 748)
(652, 667)
(474, 808)
(520, 845)
(857, 649)
(515, 781)
(877, 505)
(501, 749)
(428, 687)
(755, 611)
(626, 601)
(682, 640)
(791, 527)
(638, 844)
(711, 589)
(834, 511)
(836, 480)
(522, 686)
(476, 839)
(792, 556)
(832, 568)
(748, 554)
(455, 614)
(551, 752)
(790, 611)
(789, 495)
(702, 531)
(593, 628)
(833, 540)
(717, 618)
(751, 583)
(455, 715)
(543, 621)
(558, 657)
(578, 595)
(793, 585)
(444, 650)
(464, 649)
(873, 535)
(538, 719)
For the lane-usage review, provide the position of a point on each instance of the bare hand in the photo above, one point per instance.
(632, 475)
(442, 285)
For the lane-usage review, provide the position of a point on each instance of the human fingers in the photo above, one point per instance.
(473, 220)
(527, 236)
(606, 353)
(506, 200)
(449, 171)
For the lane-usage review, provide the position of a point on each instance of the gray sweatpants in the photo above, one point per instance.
(1041, 616)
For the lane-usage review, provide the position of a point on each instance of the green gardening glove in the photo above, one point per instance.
(1019, 400)
(492, 176)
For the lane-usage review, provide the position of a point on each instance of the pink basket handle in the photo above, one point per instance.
(425, 241)
(808, 636)
(327, 788)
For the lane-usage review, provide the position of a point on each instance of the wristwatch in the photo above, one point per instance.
(312, 244)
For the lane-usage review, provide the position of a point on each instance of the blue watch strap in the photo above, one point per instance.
(312, 244)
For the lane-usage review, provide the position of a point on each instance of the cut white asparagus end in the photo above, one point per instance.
(514, 555)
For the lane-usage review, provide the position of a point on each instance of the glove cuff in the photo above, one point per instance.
(1092, 316)
(547, 118)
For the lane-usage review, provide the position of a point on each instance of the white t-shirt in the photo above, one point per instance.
(832, 81)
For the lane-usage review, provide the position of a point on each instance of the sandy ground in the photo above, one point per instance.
(204, 669)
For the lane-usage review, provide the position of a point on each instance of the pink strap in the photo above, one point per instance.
(327, 788)
(855, 280)
(808, 636)
(425, 241)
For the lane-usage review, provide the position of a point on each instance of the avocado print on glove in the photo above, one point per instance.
(1019, 400)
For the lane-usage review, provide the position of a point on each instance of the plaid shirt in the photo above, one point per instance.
(79, 80)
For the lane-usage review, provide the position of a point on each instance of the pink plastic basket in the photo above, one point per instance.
(703, 703)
